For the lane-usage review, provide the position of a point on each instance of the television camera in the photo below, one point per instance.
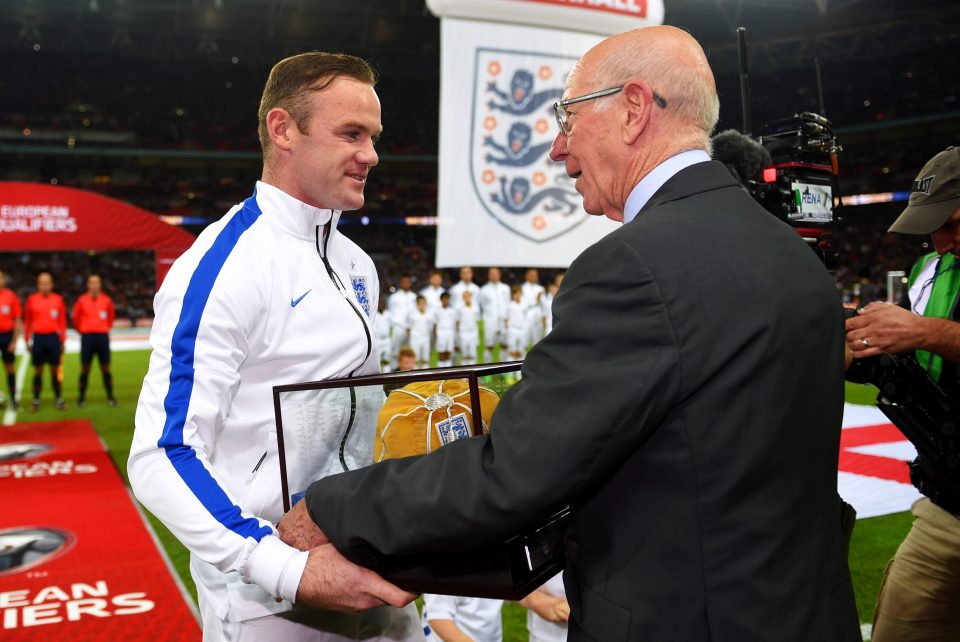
(797, 177)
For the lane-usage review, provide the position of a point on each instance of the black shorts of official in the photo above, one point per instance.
(5, 339)
(46, 349)
(94, 343)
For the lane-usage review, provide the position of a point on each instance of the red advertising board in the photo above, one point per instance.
(76, 559)
(35, 217)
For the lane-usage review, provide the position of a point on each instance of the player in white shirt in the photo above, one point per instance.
(445, 322)
(494, 298)
(432, 294)
(547, 305)
(447, 618)
(467, 316)
(456, 295)
(535, 321)
(420, 324)
(400, 304)
(547, 611)
(516, 325)
(465, 284)
(381, 332)
(532, 290)
(433, 290)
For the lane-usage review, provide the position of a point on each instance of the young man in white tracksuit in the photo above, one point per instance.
(270, 294)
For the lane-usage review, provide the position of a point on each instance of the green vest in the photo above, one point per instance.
(943, 296)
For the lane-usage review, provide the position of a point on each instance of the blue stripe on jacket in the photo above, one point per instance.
(183, 348)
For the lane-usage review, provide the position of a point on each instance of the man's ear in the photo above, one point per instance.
(279, 125)
(638, 98)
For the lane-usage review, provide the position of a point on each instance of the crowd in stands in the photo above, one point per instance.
(891, 164)
(151, 102)
(212, 104)
(866, 253)
(128, 277)
(854, 94)
(193, 104)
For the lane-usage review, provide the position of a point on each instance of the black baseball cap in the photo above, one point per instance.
(934, 196)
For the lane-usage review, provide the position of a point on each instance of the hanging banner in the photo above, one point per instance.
(602, 17)
(35, 217)
(39, 217)
(502, 201)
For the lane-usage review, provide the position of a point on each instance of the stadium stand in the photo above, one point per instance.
(161, 116)
(128, 277)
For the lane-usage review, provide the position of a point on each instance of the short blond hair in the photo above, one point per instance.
(292, 79)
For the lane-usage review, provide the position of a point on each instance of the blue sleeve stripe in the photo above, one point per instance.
(183, 346)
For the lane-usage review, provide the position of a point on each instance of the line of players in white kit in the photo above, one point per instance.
(448, 320)
(408, 326)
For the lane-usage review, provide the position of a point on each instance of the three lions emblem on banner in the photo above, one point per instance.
(513, 128)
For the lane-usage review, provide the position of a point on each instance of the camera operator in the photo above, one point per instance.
(920, 595)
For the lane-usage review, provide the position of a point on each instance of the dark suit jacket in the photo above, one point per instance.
(688, 403)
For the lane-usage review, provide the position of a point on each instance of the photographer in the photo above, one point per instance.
(920, 595)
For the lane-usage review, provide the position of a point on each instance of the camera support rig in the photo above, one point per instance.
(801, 187)
(926, 415)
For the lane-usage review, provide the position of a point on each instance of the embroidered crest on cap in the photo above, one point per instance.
(452, 429)
(923, 185)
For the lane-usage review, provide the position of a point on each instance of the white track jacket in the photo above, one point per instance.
(270, 294)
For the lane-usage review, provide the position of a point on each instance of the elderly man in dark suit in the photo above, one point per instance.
(687, 403)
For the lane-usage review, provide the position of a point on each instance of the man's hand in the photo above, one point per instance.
(549, 607)
(557, 610)
(298, 529)
(331, 581)
(884, 327)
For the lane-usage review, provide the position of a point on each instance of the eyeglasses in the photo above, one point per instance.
(563, 118)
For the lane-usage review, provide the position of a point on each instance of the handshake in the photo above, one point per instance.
(331, 581)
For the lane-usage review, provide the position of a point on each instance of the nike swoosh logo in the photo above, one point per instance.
(294, 302)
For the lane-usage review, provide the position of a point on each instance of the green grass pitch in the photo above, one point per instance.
(874, 540)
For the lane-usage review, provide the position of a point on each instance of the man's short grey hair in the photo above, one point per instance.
(690, 96)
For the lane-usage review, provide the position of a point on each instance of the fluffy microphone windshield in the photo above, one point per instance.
(740, 153)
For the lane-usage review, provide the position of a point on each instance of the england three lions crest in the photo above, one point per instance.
(512, 129)
(361, 291)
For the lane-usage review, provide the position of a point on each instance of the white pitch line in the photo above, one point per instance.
(10, 415)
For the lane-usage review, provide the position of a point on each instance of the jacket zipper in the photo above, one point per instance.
(253, 473)
(337, 283)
